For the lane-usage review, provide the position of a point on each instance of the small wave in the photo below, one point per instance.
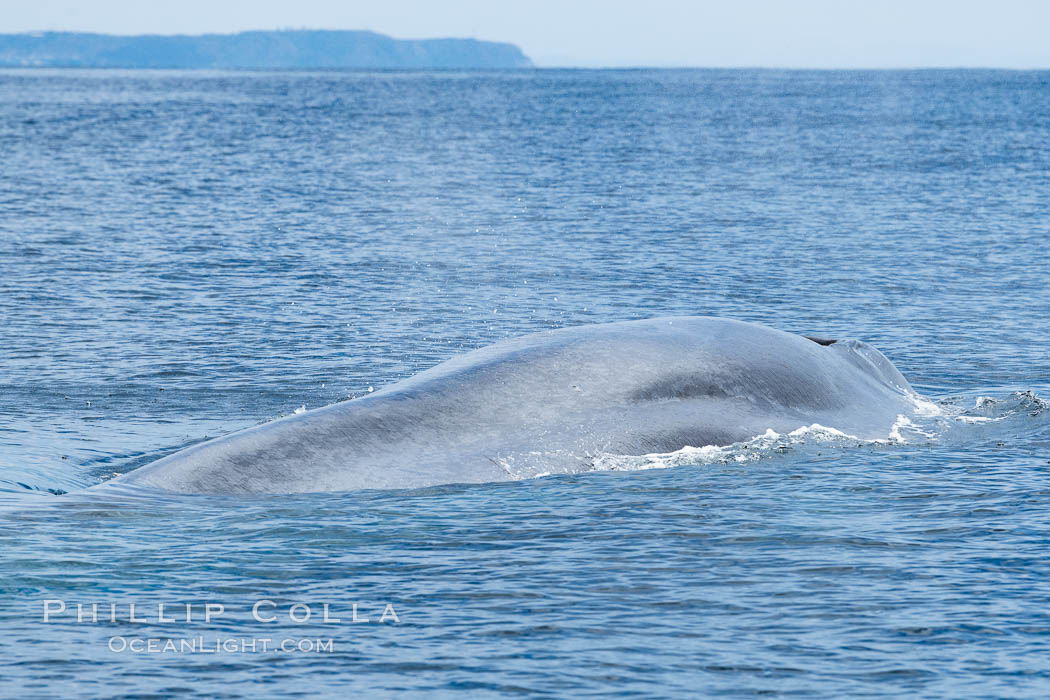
(986, 408)
(767, 444)
(946, 420)
(978, 417)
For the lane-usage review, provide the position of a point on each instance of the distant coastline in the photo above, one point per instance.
(256, 49)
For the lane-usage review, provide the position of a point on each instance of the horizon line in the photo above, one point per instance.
(640, 67)
(535, 66)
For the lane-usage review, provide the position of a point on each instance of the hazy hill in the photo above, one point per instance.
(276, 49)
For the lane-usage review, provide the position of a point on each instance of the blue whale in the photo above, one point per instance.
(552, 402)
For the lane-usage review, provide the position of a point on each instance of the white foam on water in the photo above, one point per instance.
(926, 408)
(905, 430)
(929, 423)
(766, 444)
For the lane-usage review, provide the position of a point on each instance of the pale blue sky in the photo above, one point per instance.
(802, 33)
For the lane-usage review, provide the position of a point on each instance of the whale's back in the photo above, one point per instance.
(551, 402)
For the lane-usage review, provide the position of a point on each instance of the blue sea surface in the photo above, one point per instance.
(183, 254)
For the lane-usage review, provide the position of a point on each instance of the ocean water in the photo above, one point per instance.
(183, 254)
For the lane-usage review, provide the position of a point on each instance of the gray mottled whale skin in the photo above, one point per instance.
(549, 403)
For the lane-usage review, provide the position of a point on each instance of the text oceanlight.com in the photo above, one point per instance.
(219, 645)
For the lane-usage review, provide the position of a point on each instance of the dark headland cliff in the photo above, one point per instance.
(258, 49)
